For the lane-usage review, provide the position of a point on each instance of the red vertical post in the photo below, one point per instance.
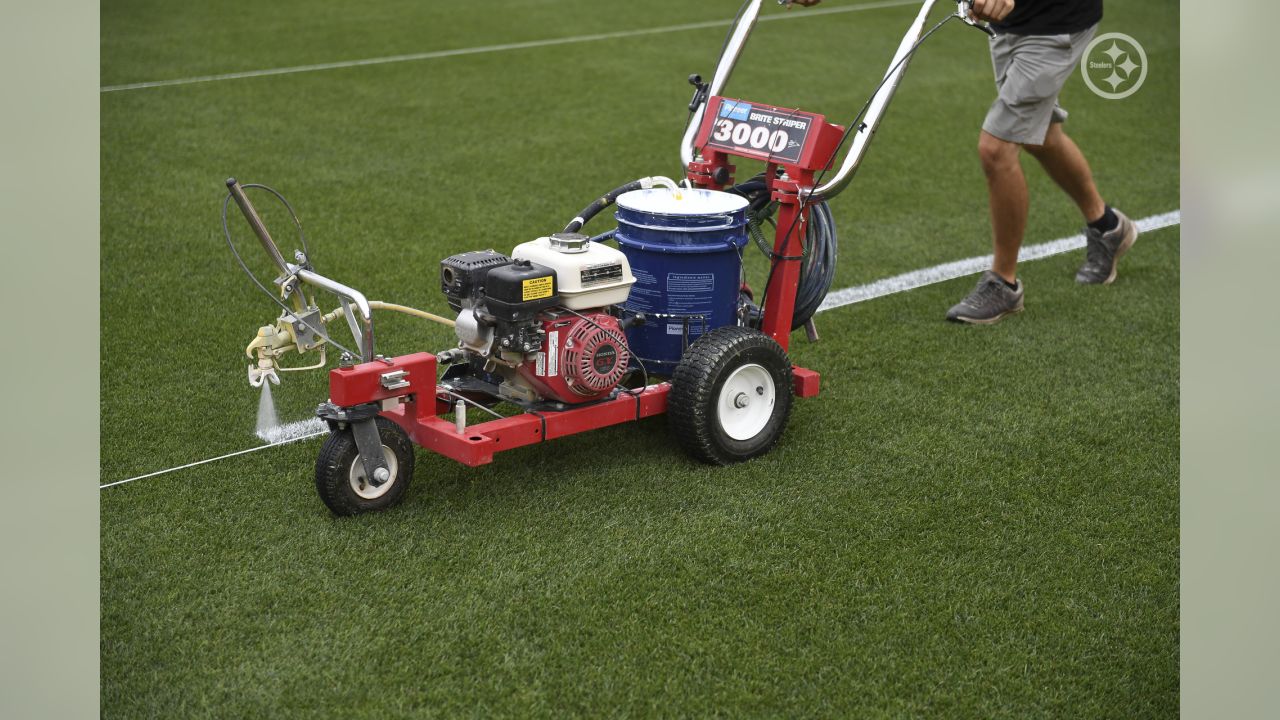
(784, 278)
(808, 144)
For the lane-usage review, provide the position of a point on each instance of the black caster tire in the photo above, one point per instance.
(730, 396)
(340, 476)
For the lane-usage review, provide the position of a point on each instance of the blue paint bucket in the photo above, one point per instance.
(686, 255)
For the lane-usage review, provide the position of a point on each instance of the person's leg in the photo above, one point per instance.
(1063, 161)
(1108, 233)
(998, 292)
(1007, 196)
(1029, 71)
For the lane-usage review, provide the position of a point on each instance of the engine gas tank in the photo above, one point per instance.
(588, 275)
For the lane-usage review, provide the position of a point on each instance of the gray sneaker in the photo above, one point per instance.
(989, 301)
(1104, 250)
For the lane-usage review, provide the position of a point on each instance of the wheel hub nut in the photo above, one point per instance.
(741, 400)
(381, 475)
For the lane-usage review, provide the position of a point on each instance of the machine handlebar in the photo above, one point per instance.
(861, 135)
(874, 111)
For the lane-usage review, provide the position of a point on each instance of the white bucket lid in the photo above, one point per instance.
(662, 201)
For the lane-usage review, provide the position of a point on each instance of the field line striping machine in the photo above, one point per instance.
(568, 334)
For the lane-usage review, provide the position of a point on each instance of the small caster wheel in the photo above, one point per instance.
(730, 395)
(340, 475)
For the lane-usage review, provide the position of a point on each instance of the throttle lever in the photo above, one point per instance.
(699, 92)
(964, 11)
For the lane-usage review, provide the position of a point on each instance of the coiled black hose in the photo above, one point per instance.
(821, 244)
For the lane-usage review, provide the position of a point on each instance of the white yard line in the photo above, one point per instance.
(549, 42)
(972, 266)
(305, 429)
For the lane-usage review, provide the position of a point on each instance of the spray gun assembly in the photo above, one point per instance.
(566, 333)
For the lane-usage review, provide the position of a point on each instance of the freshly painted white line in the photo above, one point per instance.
(314, 427)
(294, 430)
(209, 460)
(971, 266)
(549, 42)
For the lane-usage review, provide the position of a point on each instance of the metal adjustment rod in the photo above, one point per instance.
(304, 322)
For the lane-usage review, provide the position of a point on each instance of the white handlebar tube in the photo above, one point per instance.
(732, 49)
(875, 111)
(361, 323)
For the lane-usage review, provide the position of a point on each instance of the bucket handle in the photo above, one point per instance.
(727, 220)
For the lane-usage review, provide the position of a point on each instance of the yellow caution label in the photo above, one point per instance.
(538, 288)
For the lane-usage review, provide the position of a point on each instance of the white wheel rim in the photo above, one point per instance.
(746, 402)
(360, 482)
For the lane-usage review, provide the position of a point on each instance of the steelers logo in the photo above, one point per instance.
(1114, 66)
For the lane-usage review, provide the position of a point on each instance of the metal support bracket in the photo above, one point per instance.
(362, 419)
(370, 446)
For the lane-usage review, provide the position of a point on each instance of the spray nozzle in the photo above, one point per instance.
(269, 344)
(265, 371)
(293, 331)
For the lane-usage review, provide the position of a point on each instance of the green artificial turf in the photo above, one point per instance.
(967, 522)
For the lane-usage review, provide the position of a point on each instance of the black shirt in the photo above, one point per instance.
(1050, 17)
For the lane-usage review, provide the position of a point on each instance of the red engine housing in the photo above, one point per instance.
(582, 359)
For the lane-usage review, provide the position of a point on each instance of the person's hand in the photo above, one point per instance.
(806, 3)
(992, 10)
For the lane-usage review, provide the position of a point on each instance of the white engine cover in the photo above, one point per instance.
(590, 276)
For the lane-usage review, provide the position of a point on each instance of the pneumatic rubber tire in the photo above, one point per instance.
(730, 365)
(340, 477)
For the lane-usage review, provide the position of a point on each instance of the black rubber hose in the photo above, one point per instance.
(817, 270)
(599, 204)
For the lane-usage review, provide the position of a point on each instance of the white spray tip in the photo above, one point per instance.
(258, 375)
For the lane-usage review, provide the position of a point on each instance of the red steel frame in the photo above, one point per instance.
(418, 407)
(714, 171)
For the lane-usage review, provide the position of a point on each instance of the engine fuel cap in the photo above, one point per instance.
(570, 242)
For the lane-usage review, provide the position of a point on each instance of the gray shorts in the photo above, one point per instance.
(1030, 72)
